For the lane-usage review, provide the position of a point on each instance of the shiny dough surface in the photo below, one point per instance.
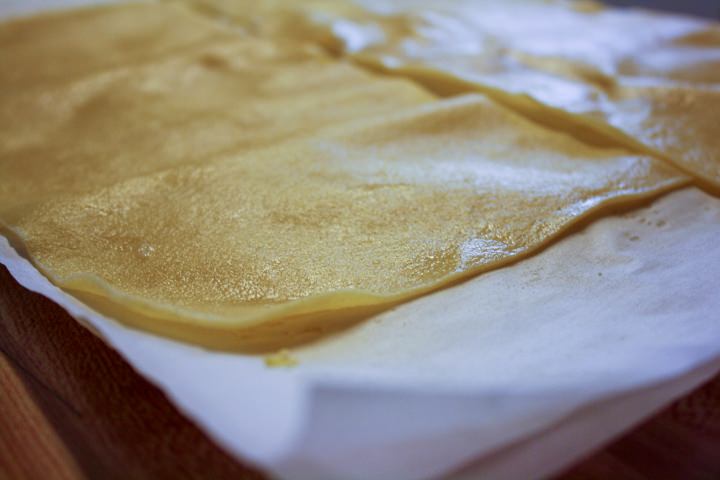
(226, 186)
(644, 80)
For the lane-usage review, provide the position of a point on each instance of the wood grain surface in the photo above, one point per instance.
(71, 408)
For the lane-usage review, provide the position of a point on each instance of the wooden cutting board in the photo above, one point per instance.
(71, 408)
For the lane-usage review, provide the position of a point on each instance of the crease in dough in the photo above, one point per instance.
(643, 80)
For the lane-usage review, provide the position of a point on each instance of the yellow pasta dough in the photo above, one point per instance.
(645, 80)
(77, 132)
(250, 192)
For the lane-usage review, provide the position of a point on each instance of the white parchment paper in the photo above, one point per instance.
(513, 374)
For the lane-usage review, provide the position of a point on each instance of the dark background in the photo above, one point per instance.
(704, 8)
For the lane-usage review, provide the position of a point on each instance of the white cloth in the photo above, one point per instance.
(520, 371)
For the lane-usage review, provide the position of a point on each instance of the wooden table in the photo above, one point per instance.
(71, 408)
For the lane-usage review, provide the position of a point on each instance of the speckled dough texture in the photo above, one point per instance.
(238, 186)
